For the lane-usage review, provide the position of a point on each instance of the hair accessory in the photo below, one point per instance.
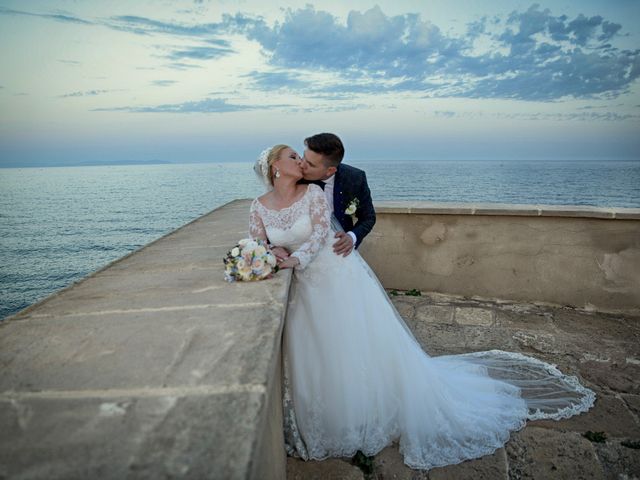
(261, 168)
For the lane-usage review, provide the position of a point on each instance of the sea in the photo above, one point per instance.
(58, 224)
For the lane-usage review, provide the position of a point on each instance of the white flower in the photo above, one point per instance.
(260, 251)
(241, 264)
(352, 207)
(267, 270)
(243, 242)
(271, 259)
(235, 252)
(249, 247)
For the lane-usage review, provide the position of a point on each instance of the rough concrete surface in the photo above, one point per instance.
(153, 367)
(602, 349)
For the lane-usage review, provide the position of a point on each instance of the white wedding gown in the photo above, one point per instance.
(355, 378)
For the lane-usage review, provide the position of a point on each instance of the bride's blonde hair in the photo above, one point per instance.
(273, 155)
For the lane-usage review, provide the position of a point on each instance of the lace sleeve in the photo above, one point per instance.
(256, 226)
(321, 226)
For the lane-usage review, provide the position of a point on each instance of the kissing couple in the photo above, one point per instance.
(354, 376)
(345, 189)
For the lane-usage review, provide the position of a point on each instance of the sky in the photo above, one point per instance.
(208, 81)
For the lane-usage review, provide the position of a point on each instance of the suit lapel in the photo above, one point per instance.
(338, 196)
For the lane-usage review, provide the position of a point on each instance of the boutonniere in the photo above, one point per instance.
(352, 207)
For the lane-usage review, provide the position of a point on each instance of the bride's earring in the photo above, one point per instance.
(277, 174)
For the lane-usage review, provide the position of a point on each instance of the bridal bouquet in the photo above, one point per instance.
(249, 260)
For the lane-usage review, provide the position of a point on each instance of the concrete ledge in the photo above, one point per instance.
(565, 255)
(153, 367)
(444, 208)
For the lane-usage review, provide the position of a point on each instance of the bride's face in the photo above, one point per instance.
(289, 163)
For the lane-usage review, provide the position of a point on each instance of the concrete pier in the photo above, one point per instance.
(153, 367)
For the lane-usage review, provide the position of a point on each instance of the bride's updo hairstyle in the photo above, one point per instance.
(265, 162)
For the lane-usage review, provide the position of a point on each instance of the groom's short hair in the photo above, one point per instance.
(328, 145)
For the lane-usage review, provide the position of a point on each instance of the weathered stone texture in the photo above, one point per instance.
(571, 339)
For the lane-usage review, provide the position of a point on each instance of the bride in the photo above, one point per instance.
(355, 378)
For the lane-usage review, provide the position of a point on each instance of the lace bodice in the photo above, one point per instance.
(302, 228)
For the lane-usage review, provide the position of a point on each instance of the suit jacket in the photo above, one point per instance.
(351, 183)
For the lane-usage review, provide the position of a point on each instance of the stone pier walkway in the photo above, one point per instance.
(603, 350)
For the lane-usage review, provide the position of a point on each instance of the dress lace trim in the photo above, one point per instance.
(313, 205)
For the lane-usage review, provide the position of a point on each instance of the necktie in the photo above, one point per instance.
(321, 184)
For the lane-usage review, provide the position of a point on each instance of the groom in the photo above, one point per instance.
(345, 187)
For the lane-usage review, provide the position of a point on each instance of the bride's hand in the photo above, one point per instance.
(280, 253)
(289, 263)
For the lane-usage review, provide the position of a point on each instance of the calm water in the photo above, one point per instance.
(59, 224)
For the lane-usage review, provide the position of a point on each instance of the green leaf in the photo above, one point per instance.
(413, 293)
(363, 462)
(595, 437)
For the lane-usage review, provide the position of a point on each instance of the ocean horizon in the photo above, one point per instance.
(60, 223)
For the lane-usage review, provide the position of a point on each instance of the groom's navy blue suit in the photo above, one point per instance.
(351, 183)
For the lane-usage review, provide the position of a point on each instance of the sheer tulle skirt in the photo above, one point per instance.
(357, 379)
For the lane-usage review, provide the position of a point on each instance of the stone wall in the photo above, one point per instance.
(584, 257)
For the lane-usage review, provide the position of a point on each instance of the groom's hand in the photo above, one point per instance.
(344, 245)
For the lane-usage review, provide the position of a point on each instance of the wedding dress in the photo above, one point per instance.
(355, 377)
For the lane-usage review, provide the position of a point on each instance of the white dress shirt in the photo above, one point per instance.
(328, 192)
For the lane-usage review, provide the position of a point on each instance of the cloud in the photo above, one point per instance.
(182, 66)
(147, 26)
(208, 105)
(57, 17)
(199, 53)
(163, 83)
(532, 55)
(74, 63)
(86, 93)
(580, 116)
(277, 80)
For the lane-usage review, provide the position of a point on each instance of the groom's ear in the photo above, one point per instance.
(331, 171)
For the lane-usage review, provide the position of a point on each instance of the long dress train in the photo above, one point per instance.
(355, 377)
